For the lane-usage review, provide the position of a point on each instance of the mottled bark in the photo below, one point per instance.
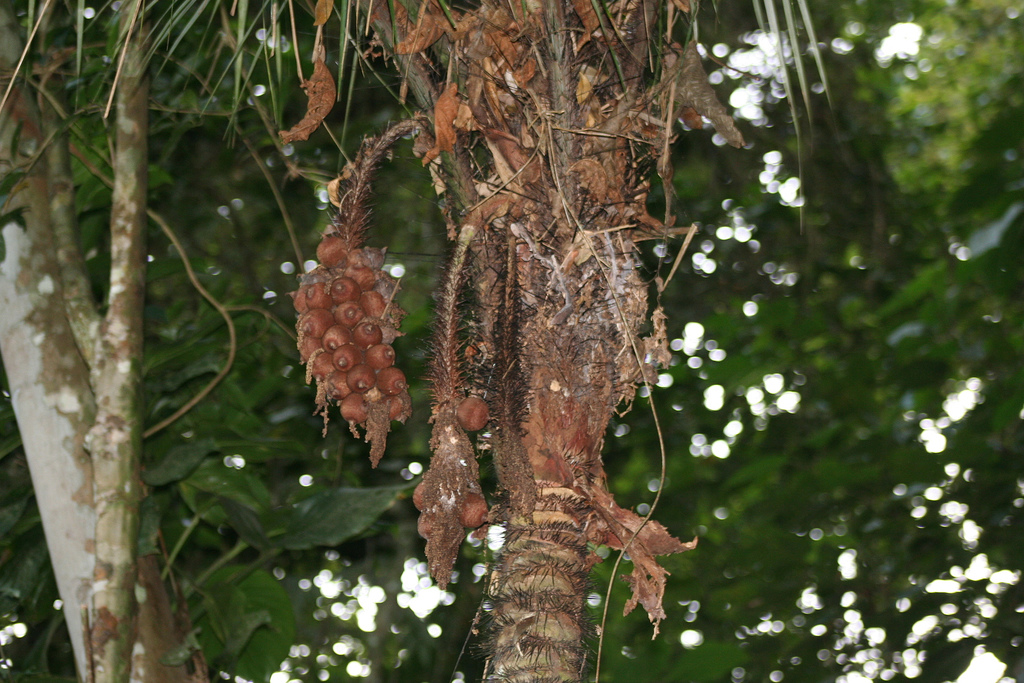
(49, 380)
(60, 361)
(115, 440)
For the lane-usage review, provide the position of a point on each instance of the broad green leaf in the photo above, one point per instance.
(179, 462)
(243, 486)
(246, 522)
(253, 622)
(334, 516)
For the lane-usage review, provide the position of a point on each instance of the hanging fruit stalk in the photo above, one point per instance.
(347, 317)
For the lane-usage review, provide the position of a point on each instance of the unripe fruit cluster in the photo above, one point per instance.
(345, 329)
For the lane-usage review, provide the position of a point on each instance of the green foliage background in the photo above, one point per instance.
(822, 530)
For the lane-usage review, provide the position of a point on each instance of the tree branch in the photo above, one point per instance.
(78, 298)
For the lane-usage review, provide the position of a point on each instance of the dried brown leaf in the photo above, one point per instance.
(697, 93)
(507, 146)
(682, 5)
(619, 526)
(656, 346)
(323, 12)
(445, 110)
(430, 25)
(320, 91)
(647, 582)
(526, 72)
(504, 48)
(465, 120)
(691, 118)
(591, 22)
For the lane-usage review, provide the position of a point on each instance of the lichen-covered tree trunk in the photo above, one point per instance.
(75, 375)
(49, 380)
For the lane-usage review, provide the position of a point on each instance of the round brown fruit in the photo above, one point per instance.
(332, 251)
(355, 258)
(473, 414)
(372, 258)
(335, 336)
(317, 296)
(380, 356)
(366, 335)
(353, 408)
(322, 367)
(417, 495)
(337, 388)
(307, 347)
(299, 301)
(373, 303)
(396, 407)
(363, 275)
(473, 513)
(346, 357)
(315, 322)
(344, 289)
(361, 378)
(348, 314)
(391, 381)
(424, 527)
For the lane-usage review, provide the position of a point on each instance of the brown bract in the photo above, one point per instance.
(445, 110)
(430, 25)
(696, 93)
(321, 93)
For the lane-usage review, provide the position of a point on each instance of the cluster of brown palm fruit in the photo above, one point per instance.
(347, 323)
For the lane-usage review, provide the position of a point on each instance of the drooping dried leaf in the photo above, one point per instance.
(584, 89)
(445, 110)
(682, 5)
(323, 12)
(320, 91)
(525, 73)
(504, 48)
(697, 93)
(430, 25)
(647, 582)
(622, 528)
(591, 22)
(507, 146)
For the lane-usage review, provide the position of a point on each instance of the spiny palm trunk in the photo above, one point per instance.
(574, 344)
(539, 590)
(540, 129)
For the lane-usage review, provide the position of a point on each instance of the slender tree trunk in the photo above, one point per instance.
(75, 377)
(49, 379)
(115, 440)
